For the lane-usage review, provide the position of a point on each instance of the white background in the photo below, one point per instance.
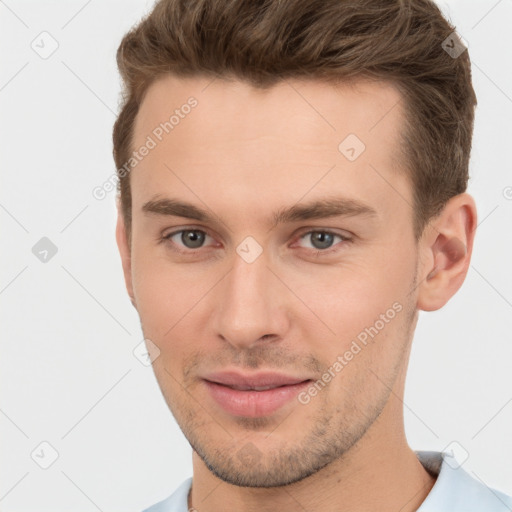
(68, 375)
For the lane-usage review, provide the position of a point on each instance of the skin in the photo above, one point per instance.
(244, 153)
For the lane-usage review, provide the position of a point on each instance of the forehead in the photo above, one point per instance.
(243, 142)
(311, 110)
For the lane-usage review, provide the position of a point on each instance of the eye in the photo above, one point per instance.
(323, 241)
(189, 238)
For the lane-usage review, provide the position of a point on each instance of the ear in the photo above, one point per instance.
(125, 253)
(446, 247)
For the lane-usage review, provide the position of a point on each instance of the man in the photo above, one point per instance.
(292, 182)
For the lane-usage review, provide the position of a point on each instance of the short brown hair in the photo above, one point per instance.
(264, 41)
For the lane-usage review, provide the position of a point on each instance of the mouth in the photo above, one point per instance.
(256, 381)
(255, 395)
(249, 388)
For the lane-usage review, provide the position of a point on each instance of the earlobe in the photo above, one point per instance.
(125, 253)
(448, 245)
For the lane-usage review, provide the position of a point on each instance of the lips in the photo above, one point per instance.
(255, 395)
(259, 381)
(253, 388)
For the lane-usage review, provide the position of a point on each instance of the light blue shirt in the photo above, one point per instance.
(454, 490)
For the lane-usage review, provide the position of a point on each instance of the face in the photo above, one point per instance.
(271, 251)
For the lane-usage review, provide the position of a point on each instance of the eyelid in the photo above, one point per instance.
(331, 231)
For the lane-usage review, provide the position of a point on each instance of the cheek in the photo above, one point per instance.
(344, 299)
(354, 308)
(170, 297)
(160, 292)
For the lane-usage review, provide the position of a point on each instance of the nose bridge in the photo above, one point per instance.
(249, 305)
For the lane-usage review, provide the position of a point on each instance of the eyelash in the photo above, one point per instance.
(316, 252)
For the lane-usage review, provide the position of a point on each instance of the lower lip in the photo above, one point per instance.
(253, 404)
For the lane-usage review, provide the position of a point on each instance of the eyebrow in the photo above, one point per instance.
(319, 209)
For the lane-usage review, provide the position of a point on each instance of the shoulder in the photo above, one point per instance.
(176, 502)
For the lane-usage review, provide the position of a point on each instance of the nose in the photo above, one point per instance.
(250, 304)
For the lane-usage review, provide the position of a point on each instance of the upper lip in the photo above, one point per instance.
(260, 379)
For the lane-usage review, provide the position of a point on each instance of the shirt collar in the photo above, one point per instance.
(457, 491)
